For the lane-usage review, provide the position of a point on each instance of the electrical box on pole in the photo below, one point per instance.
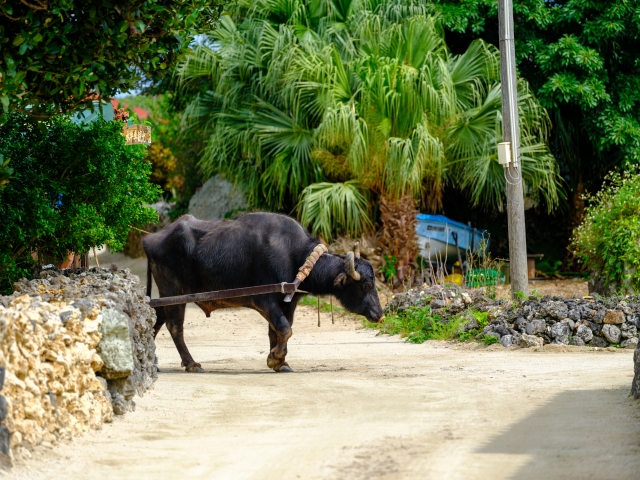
(509, 152)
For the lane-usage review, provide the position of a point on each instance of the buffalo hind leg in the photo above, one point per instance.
(279, 334)
(174, 318)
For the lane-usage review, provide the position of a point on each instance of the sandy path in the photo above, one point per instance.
(361, 406)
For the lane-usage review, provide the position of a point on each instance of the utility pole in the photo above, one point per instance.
(509, 152)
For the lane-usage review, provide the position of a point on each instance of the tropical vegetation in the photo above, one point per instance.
(58, 56)
(580, 58)
(607, 240)
(73, 187)
(335, 107)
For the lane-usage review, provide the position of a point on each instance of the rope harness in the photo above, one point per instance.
(307, 266)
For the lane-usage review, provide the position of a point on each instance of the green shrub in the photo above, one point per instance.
(72, 188)
(608, 240)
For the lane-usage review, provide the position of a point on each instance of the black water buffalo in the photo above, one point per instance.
(193, 256)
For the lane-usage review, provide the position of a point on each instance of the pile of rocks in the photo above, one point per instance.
(77, 346)
(593, 321)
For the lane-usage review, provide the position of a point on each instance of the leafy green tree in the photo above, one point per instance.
(341, 104)
(60, 55)
(73, 188)
(581, 59)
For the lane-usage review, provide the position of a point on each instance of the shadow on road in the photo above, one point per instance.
(601, 426)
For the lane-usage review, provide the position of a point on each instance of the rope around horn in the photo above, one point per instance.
(305, 269)
(309, 263)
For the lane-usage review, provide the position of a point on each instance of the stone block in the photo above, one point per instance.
(535, 326)
(611, 333)
(560, 333)
(506, 340)
(599, 342)
(527, 341)
(614, 317)
(584, 333)
(115, 345)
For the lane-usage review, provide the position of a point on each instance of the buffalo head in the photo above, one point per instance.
(355, 287)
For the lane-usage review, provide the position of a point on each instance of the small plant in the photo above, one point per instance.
(489, 340)
(483, 271)
(481, 317)
(536, 294)
(519, 296)
(389, 269)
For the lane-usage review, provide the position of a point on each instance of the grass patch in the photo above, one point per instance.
(419, 324)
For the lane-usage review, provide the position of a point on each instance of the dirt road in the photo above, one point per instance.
(361, 407)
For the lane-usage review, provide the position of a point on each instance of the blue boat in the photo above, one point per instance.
(436, 238)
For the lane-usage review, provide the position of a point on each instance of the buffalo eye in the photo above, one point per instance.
(367, 286)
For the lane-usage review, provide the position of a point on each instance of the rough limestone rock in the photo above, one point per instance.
(629, 331)
(50, 332)
(527, 341)
(635, 386)
(115, 345)
(552, 319)
(536, 326)
(577, 341)
(556, 309)
(560, 333)
(506, 340)
(614, 317)
(217, 198)
(599, 342)
(629, 343)
(584, 333)
(51, 389)
(611, 333)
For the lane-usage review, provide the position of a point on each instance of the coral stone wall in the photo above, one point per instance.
(76, 347)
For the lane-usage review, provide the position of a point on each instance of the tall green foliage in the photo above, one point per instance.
(607, 240)
(365, 94)
(73, 188)
(61, 55)
(581, 59)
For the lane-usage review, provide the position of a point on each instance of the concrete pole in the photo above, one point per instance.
(511, 134)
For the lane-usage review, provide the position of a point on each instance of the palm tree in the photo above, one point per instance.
(341, 105)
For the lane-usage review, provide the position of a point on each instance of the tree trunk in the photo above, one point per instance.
(398, 237)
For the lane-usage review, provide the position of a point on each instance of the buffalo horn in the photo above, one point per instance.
(351, 266)
(356, 249)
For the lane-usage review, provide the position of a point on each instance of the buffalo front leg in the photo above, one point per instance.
(279, 334)
(175, 325)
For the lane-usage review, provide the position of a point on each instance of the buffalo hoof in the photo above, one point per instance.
(285, 368)
(194, 368)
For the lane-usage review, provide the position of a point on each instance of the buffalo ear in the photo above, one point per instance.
(340, 279)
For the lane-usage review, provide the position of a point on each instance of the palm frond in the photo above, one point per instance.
(335, 207)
